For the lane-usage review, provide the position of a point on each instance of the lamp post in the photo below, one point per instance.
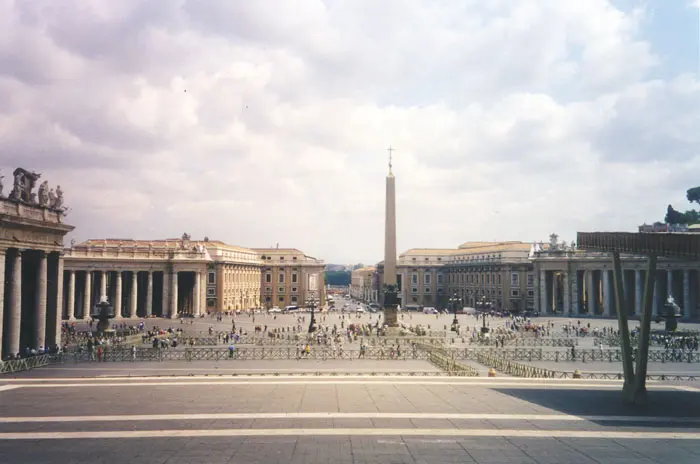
(484, 329)
(454, 301)
(312, 323)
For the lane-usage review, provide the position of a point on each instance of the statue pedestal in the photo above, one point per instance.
(391, 317)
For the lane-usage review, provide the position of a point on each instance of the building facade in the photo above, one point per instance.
(575, 283)
(290, 278)
(364, 284)
(492, 275)
(31, 265)
(233, 277)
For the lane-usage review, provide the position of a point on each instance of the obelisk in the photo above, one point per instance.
(390, 288)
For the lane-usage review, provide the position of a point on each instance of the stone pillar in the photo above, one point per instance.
(149, 295)
(637, 293)
(87, 297)
(118, 297)
(536, 295)
(544, 303)
(592, 298)
(71, 295)
(14, 307)
(655, 298)
(166, 294)
(103, 285)
(575, 291)
(607, 294)
(669, 284)
(687, 308)
(39, 340)
(196, 300)
(173, 295)
(555, 291)
(2, 297)
(55, 334)
(133, 300)
(567, 296)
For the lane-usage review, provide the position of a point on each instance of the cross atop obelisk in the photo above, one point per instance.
(390, 150)
(390, 288)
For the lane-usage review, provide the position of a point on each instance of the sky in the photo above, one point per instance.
(268, 122)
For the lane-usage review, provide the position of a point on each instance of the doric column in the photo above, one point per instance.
(555, 291)
(544, 305)
(687, 308)
(133, 300)
(118, 297)
(575, 289)
(166, 295)
(657, 295)
(197, 300)
(669, 283)
(71, 295)
(54, 337)
(39, 340)
(2, 297)
(590, 291)
(173, 295)
(567, 296)
(638, 292)
(149, 295)
(87, 297)
(607, 293)
(14, 306)
(103, 285)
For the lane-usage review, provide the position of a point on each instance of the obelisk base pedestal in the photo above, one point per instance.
(391, 317)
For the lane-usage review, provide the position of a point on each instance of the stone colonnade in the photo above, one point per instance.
(590, 291)
(30, 295)
(133, 293)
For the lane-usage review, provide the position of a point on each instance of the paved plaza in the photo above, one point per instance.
(92, 413)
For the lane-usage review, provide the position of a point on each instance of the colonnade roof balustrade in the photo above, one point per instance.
(670, 245)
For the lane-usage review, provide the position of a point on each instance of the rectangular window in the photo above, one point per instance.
(212, 278)
(211, 292)
(281, 277)
(530, 293)
(515, 292)
(414, 279)
(280, 290)
(294, 290)
(294, 278)
(268, 278)
(426, 290)
(294, 298)
(515, 279)
(281, 299)
(530, 279)
(427, 279)
(439, 279)
(414, 290)
(499, 279)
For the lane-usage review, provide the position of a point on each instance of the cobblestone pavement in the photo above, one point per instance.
(93, 417)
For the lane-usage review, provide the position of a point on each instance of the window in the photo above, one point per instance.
(281, 277)
(294, 258)
(211, 292)
(294, 278)
(499, 279)
(530, 279)
(268, 278)
(281, 258)
(439, 279)
(280, 290)
(426, 290)
(294, 298)
(212, 278)
(281, 299)
(414, 279)
(427, 279)
(414, 290)
(515, 292)
(530, 293)
(515, 280)
(294, 290)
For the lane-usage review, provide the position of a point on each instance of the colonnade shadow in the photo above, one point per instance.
(584, 402)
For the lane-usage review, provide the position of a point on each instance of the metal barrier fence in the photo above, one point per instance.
(216, 354)
(587, 355)
(548, 341)
(300, 338)
(512, 368)
(17, 365)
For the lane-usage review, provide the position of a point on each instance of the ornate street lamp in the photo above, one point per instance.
(454, 301)
(312, 323)
(484, 329)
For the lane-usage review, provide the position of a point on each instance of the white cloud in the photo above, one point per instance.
(265, 122)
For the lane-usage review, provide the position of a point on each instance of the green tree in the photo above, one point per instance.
(693, 195)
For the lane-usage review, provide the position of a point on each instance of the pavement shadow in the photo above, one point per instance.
(582, 402)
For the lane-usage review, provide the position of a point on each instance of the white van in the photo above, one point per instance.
(430, 310)
(291, 309)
